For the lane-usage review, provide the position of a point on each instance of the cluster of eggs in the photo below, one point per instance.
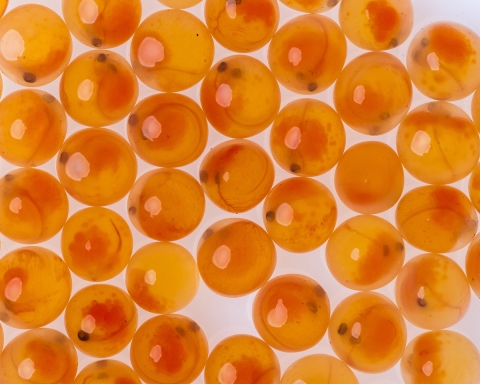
(170, 51)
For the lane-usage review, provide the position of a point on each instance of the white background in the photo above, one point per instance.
(220, 317)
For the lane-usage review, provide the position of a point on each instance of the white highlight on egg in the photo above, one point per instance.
(227, 374)
(355, 255)
(13, 289)
(222, 256)
(277, 317)
(427, 368)
(359, 94)
(88, 245)
(156, 353)
(150, 51)
(26, 369)
(88, 324)
(77, 167)
(299, 382)
(224, 95)
(356, 330)
(17, 129)
(151, 128)
(421, 143)
(231, 9)
(88, 11)
(153, 206)
(293, 138)
(150, 277)
(85, 90)
(295, 56)
(433, 62)
(12, 45)
(226, 176)
(284, 214)
(421, 293)
(15, 205)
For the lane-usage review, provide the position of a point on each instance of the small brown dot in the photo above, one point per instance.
(9, 177)
(393, 43)
(431, 106)
(295, 168)
(355, 340)
(270, 216)
(422, 302)
(133, 119)
(238, 2)
(112, 68)
(101, 57)
(83, 336)
(217, 178)
(180, 331)
(48, 98)
(332, 3)
(319, 291)
(311, 306)
(102, 376)
(29, 77)
(208, 232)
(425, 42)
(203, 176)
(399, 247)
(63, 158)
(222, 67)
(386, 250)
(194, 327)
(384, 116)
(416, 55)
(4, 317)
(312, 87)
(342, 329)
(96, 42)
(132, 210)
(375, 130)
(237, 73)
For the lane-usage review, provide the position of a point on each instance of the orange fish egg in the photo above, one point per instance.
(367, 331)
(101, 320)
(307, 137)
(432, 291)
(440, 357)
(162, 277)
(437, 143)
(242, 25)
(373, 93)
(98, 88)
(365, 252)
(40, 356)
(307, 54)
(171, 50)
(291, 313)
(242, 359)
(443, 61)
(107, 372)
(96, 243)
(169, 349)
(436, 218)
(240, 96)
(35, 287)
(35, 45)
(33, 125)
(166, 204)
(102, 23)
(376, 24)
(33, 206)
(168, 130)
